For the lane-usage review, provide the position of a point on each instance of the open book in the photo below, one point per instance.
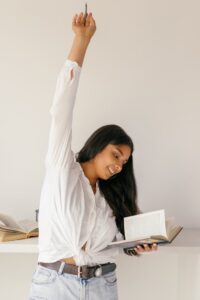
(11, 230)
(151, 227)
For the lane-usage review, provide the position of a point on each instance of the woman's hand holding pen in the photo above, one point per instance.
(140, 249)
(84, 28)
(84, 25)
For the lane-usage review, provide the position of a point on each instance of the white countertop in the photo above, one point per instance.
(187, 239)
(29, 245)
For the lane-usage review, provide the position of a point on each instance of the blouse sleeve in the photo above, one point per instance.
(59, 152)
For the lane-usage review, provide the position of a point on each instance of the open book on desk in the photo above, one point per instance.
(11, 230)
(151, 227)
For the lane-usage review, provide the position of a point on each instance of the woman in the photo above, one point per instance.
(84, 197)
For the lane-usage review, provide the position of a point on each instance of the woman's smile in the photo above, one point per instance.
(111, 171)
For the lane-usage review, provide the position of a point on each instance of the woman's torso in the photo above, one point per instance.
(75, 221)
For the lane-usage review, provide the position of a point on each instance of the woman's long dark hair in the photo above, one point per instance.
(120, 190)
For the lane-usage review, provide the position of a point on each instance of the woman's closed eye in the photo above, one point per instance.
(118, 156)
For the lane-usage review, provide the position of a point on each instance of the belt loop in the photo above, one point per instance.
(61, 267)
(79, 271)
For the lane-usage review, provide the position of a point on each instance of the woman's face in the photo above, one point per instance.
(111, 160)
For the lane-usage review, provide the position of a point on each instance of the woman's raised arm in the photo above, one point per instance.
(59, 149)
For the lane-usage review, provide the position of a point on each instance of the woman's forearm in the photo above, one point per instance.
(78, 49)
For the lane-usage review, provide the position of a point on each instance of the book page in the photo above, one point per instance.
(9, 223)
(172, 228)
(170, 224)
(28, 225)
(145, 225)
(10, 236)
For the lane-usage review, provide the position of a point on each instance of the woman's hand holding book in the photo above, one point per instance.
(137, 250)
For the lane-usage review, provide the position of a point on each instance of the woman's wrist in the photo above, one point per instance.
(78, 50)
(82, 39)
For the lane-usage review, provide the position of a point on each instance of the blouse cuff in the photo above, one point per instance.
(69, 62)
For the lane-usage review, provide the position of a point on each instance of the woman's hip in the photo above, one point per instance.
(48, 284)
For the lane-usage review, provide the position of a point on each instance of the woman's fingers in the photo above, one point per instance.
(154, 247)
(79, 19)
(140, 249)
(146, 248)
(88, 19)
(83, 19)
(74, 19)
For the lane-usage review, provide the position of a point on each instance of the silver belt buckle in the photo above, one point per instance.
(98, 271)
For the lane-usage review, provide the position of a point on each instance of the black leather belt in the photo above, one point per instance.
(84, 271)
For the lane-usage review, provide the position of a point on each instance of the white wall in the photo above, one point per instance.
(141, 71)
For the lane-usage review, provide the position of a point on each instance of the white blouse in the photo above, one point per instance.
(70, 214)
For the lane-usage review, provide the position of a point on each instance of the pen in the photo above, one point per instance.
(85, 16)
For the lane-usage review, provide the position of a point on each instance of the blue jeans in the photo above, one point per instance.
(48, 284)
